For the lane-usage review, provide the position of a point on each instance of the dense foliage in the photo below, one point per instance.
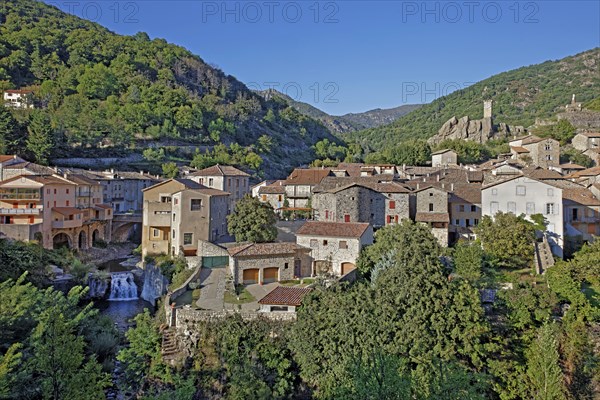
(99, 93)
(413, 326)
(252, 221)
(520, 96)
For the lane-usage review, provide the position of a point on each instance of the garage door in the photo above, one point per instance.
(347, 267)
(271, 275)
(250, 276)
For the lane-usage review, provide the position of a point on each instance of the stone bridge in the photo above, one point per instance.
(126, 226)
(82, 237)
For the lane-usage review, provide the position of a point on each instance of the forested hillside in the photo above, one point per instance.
(107, 94)
(348, 122)
(520, 96)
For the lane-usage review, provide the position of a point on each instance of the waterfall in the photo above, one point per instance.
(155, 284)
(122, 287)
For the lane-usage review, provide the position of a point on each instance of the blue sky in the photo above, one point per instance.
(352, 56)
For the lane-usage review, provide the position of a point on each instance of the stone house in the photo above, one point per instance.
(377, 203)
(176, 208)
(197, 214)
(273, 194)
(226, 178)
(528, 196)
(465, 210)
(586, 141)
(283, 299)
(46, 209)
(431, 208)
(334, 246)
(12, 166)
(267, 262)
(541, 152)
(444, 157)
(586, 177)
(581, 213)
(299, 185)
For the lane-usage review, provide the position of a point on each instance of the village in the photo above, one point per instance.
(327, 215)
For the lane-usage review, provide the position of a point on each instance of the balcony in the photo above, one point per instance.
(20, 211)
(69, 223)
(19, 194)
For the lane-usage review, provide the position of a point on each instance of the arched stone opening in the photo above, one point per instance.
(61, 240)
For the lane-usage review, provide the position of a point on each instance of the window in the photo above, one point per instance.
(430, 194)
(47, 191)
(237, 182)
(430, 206)
(550, 192)
(155, 232)
(196, 204)
(343, 244)
(326, 214)
(473, 208)
(67, 191)
(521, 191)
(176, 201)
(475, 222)
(392, 205)
(173, 233)
(174, 217)
(314, 243)
(575, 214)
(530, 208)
(67, 203)
(325, 242)
(457, 222)
(187, 239)
(494, 192)
(165, 199)
(286, 265)
(280, 198)
(550, 208)
(346, 218)
(210, 181)
(467, 222)
(54, 191)
(461, 208)
(264, 197)
(511, 207)
(547, 147)
(548, 157)
(494, 206)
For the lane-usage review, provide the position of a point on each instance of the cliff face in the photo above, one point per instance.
(477, 130)
(584, 119)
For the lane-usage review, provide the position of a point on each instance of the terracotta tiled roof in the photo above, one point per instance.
(263, 249)
(571, 166)
(67, 210)
(103, 206)
(271, 189)
(333, 229)
(442, 151)
(33, 167)
(18, 91)
(575, 192)
(519, 149)
(432, 217)
(220, 170)
(42, 179)
(4, 158)
(331, 183)
(285, 296)
(80, 179)
(531, 139)
(312, 176)
(208, 191)
(542, 173)
(591, 134)
(187, 183)
(466, 193)
(586, 172)
(353, 169)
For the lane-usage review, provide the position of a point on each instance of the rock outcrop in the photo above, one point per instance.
(477, 130)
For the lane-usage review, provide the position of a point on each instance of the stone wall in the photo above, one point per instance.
(437, 197)
(268, 261)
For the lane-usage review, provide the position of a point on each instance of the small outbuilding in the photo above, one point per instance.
(283, 299)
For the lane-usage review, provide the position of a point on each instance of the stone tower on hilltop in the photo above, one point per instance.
(487, 108)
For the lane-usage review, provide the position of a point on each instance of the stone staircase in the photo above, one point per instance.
(543, 256)
(169, 347)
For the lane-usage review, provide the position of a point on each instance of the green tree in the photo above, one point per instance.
(252, 221)
(142, 358)
(507, 238)
(154, 155)
(40, 140)
(8, 125)
(544, 376)
(468, 260)
(270, 116)
(265, 143)
(170, 170)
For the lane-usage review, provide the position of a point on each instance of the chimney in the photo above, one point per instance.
(452, 187)
(437, 177)
(417, 185)
(112, 170)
